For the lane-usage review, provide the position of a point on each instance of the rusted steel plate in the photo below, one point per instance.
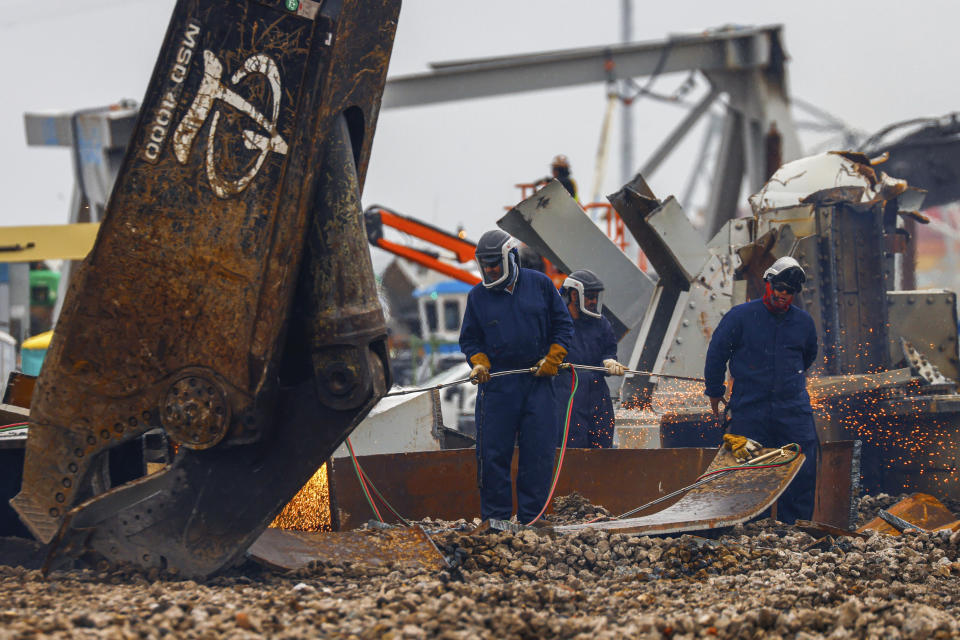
(443, 484)
(229, 298)
(920, 509)
(820, 529)
(838, 481)
(19, 389)
(289, 550)
(729, 499)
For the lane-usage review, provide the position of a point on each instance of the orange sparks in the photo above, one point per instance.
(309, 510)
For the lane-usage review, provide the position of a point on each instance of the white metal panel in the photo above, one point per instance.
(551, 222)
(397, 424)
(684, 242)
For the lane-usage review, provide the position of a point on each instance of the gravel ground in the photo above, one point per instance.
(761, 580)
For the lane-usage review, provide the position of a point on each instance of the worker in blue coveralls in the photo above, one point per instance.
(594, 344)
(770, 344)
(514, 319)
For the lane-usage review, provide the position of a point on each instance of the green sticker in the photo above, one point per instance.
(293, 5)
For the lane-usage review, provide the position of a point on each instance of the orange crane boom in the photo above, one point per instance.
(377, 217)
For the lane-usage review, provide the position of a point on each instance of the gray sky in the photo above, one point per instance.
(869, 64)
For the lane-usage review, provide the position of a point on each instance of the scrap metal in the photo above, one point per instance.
(843, 219)
(849, 239)
(838, 484)
(928, 320)
(899, 523)
(820, 530)
(730, 499)
(924, 368)
(15, 404)
(290, 550)
(919, 511)
(927, 155)
(442, 484)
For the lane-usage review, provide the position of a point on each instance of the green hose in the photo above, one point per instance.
(574, 383)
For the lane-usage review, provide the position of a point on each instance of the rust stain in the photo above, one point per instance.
(705, 326)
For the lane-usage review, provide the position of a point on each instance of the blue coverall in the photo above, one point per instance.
(769, 354)
(515, 330)
(591, 421)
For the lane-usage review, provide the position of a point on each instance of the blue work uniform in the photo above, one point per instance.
(769, 355)
(515, 330)
(591, 418)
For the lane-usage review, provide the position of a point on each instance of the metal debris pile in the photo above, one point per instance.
(870, 505)
(760, 579)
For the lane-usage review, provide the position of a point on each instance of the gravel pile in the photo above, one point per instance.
(575, 508)
(761, 580)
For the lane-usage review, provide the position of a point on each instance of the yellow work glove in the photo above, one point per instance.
(742, 447)
(481, 368)
(550, 364)
(614, 368)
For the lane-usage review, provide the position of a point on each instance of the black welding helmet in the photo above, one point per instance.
(498, 248)
(786, 271)
(587, 285)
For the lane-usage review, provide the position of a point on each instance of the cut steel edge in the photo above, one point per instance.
(288, 550)
(636, 525)
(898, 517)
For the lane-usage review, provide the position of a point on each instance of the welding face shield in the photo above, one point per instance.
(498, 258)
(785, 275)
(589, 290)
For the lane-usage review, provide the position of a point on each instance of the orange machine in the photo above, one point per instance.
(376, 217)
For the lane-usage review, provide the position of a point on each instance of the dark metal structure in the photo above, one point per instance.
(229, 299)
(926, 154)
(849, 263)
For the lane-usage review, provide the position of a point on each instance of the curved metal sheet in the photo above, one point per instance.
(730, 499)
